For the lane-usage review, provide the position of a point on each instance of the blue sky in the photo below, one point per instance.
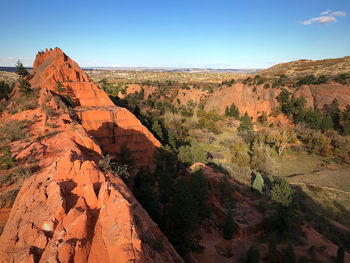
(182, 33)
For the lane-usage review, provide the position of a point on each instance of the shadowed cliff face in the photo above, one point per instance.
(93, 106)
(70, 211)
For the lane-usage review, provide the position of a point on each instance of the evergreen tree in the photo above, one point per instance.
(199, 189)
(282, 193)
(229, 226)
(246, 123)
(340, 255)
(171, 139)
(327, 123)
(334, 112)
(157, 129)
(5, 90)
(263, 118)
(59, 87)
(346, 121)
(283, 97)
(272, 247)
(234, 112)
(289, 254)
(144, 191)
(258, 183)
(20, 69)
(137, 111)
(313, 118)
(125, 156)
(25, 87)
(227, 111)
(183, 216)
(253, 255)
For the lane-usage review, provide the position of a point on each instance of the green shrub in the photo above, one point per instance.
(6, 159)
(24, 102)
(253, 255)
(14, 131)
(258, 183)
(25, 87)
(8, 197)
(343, 78)
(246, 123)
(282, 193)
(18, 174)
(289, 254)
(5, 89)
(50, 112)
(229, 226)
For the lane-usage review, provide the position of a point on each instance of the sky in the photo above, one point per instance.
(181, 33)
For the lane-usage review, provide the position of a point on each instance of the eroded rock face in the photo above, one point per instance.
(255, 101)
(110, 125)
(70, 211)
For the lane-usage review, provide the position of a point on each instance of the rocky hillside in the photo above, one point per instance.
(68, 210)
(303, 67)
(255, 99)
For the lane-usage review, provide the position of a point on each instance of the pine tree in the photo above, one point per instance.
(157, 129)
(59, 87)
(246, 123)
(263, 118)
(334, 112)
(229, 226)
(25, 87)
(227, 111)
(289, 254)
(327, 123)
(340, 255)
(272, 246)
(234, 112)
(171, 139)
(258, 183)
(253, 255)
(346, 121)
(20, 69)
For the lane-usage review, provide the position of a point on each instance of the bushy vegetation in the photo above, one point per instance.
(13, 131)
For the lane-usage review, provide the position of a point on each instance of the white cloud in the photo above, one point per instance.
(325, 18)
(326, 12)
(339, 13)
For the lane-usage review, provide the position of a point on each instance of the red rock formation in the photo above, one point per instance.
(246, 99)
(69, 211)
(255, 101)
(110, 125)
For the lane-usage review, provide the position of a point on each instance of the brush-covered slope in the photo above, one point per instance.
(303, 67)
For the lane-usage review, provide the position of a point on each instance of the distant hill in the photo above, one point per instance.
(305, 67)
(160, 69)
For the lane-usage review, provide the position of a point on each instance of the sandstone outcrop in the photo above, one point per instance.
(256, 100)
(68, 210)
(110, 125)
(245, 97)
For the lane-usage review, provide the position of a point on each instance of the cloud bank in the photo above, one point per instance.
(326, 17)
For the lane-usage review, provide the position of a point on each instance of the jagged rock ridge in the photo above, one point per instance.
(69, 211)
(110, 125)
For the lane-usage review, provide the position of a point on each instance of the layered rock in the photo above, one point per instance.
(246, 98)
(256, 100)
(70, 211)
(110, 125)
